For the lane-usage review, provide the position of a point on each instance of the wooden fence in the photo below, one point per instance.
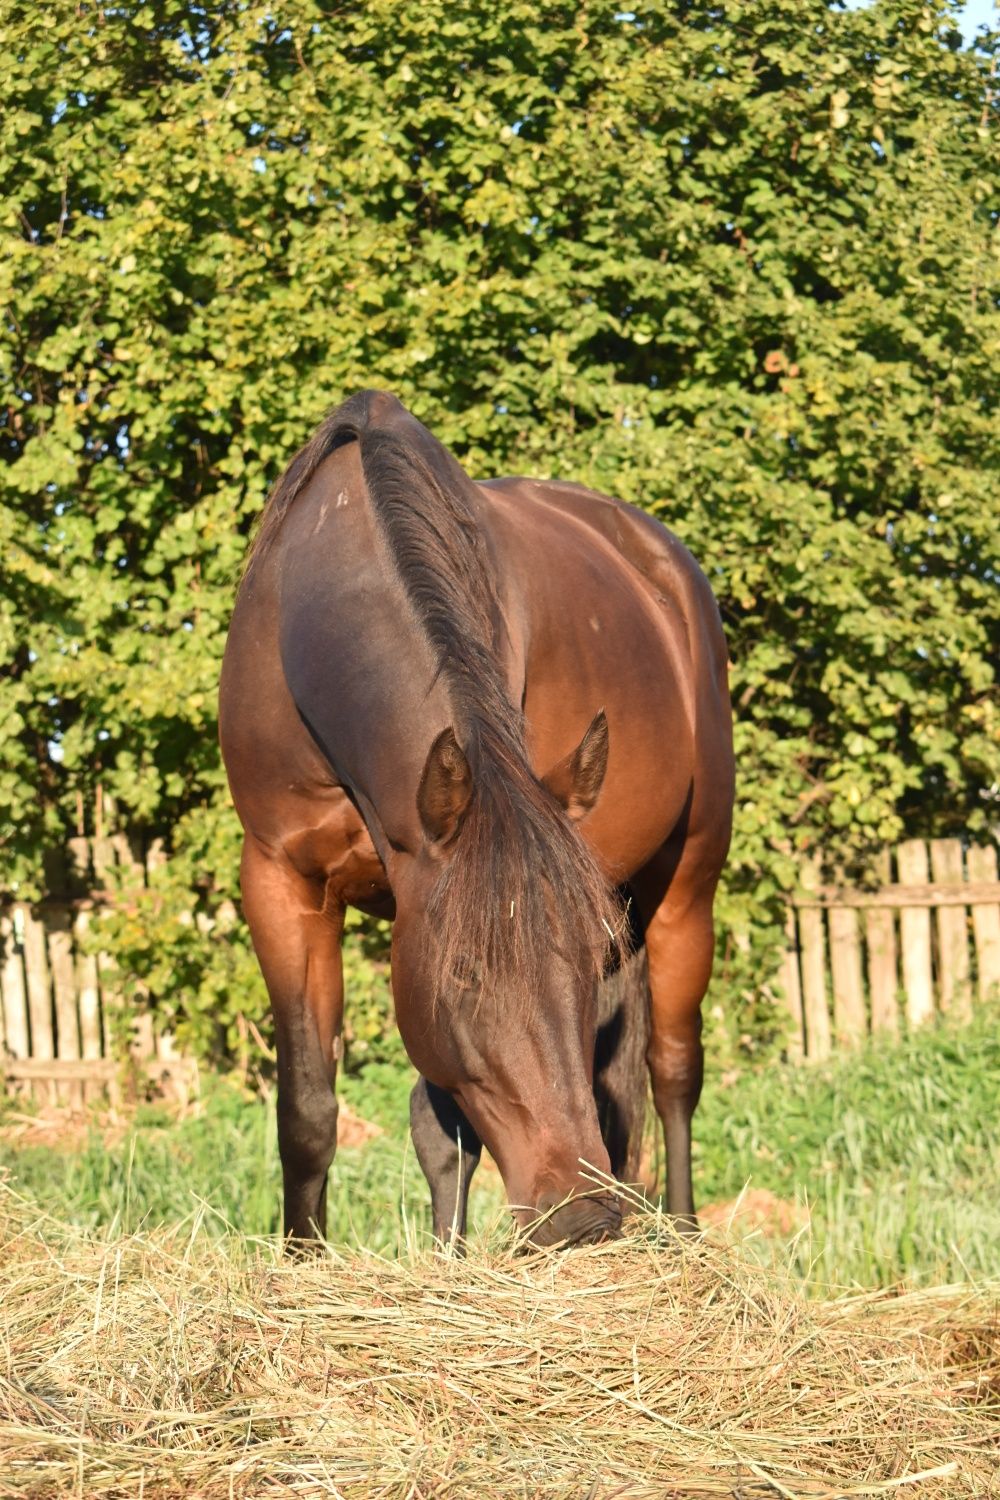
(924, 940)
(60, 1004)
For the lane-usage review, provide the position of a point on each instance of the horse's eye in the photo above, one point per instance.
(466, 973)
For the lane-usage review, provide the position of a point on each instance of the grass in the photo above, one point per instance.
(889, 1159)
(893, 1153)
(159, 1168)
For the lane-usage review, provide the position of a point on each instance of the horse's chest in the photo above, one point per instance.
(338, 849)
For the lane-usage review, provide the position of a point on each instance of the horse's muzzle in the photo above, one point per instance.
(578, 1221)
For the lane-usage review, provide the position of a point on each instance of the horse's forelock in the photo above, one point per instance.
(520, 886)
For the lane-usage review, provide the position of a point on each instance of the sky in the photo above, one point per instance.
(978, 13)
(973, 14)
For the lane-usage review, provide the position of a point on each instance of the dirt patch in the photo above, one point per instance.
(352, 1130)
(757, 1208)
(63, 1128)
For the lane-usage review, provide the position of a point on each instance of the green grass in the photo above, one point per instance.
(895, 1152)
(225, 1155)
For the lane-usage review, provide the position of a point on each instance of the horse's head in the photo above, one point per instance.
(495, 957)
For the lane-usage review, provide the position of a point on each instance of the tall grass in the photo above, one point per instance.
(889, 1157)
(893, 1153)
(224, 1155)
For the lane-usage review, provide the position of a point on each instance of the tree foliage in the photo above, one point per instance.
(735, 263)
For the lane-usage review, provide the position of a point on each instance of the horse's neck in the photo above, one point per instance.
(356, 658)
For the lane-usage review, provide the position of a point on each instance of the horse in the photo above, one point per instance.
(480, 709)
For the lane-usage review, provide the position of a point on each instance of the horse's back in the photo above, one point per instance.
(632, 622)
(661, 562)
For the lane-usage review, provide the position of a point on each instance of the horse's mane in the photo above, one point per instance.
(520, 880)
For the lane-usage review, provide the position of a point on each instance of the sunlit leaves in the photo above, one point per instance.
(735, 263)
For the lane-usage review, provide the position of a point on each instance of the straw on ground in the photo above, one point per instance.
(175, 1363)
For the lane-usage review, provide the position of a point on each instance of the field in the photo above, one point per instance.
(835, 1332)
(882, 1168)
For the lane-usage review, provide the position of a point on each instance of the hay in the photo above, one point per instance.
(177, 1363)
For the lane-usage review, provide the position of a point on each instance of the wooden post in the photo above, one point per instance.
(103, 852)
(165, 1045)
(13, 989)
(985, 921)
(791, 985)
(39, 983)
(89, 994)
(915, 936)
(64, 993)
(811, 940)
(849, 1016)
(143, 1040)
(880, 939)
(952, 931)
(58, 924)
(87, 983)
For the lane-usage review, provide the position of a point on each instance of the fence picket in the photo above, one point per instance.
(985, 922)
(883, 974)
(143, 1042)
(813, 944)
(849, 1015)
(103, 855)
(67, 1031)
(915, 936)
(791, 986)
(13, 992)
(88, 989)
(39, 986)
(955, 993)
(86, 978)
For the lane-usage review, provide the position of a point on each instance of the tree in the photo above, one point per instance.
(735, 263)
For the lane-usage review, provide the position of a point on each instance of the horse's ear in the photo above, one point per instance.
(445, 788)
(576, 780)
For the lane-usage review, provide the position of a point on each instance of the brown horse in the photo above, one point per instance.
(477, 709)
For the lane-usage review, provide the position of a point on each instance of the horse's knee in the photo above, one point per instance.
(307, 1129)
(676, 1066)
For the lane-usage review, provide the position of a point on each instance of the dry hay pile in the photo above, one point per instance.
(166, 1364)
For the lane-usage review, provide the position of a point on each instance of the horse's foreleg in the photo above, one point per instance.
(448, 1150)
(297, 940)
(679, 948)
